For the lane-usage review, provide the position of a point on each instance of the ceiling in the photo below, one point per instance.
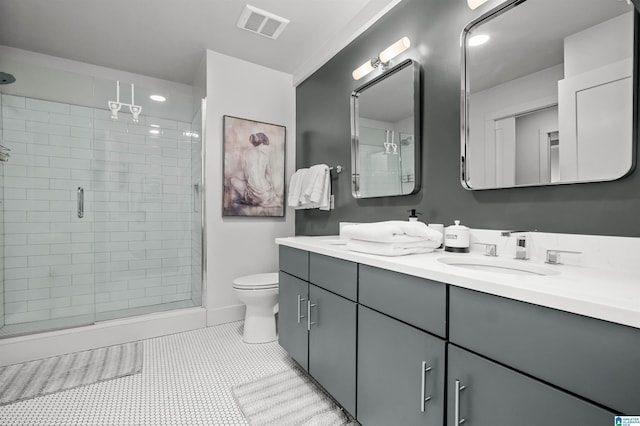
(166, 39)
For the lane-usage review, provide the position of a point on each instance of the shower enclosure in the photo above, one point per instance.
(99, 218)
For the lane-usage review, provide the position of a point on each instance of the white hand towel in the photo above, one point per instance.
(295, 187)
(391, 231)
(325, 198)
(310, 188)
(392, 249)
(317, 186)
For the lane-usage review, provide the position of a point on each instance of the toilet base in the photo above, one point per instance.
(259, 325)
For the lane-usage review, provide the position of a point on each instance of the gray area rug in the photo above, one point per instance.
(45, 376)
(288, 398)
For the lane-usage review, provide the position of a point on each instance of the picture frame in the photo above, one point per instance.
(253, 168)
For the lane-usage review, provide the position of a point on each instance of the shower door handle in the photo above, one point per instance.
(80, 202)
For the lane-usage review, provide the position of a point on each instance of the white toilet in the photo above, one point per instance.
(260, 294)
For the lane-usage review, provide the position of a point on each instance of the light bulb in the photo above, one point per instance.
(394, 50)
(474, 4)
(477, 40)
(362, 70)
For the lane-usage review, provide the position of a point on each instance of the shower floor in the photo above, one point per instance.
(186, 379)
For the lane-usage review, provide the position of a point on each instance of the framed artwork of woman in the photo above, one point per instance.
(254, 172)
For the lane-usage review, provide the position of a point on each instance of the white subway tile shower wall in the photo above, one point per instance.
(133, 246)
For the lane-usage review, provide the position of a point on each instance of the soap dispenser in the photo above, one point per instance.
(456, 238)
(412, 216)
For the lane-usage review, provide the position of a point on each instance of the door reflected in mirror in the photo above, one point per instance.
(385, 147)
(548, 94)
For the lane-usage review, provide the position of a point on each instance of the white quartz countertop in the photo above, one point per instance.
(611, 295)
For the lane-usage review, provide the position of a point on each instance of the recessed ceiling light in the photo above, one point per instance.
(157, 98)
(477, 40)
(154, 125)
(154, 131)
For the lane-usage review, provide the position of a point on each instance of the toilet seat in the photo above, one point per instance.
(257, 282)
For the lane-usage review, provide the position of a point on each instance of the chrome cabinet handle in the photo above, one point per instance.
(80, 202)
(300, 299)
(309, 306)
(423, 398)
(458, 389)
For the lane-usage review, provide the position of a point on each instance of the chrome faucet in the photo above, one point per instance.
(553, 256)
(489, 249)
(522, 248)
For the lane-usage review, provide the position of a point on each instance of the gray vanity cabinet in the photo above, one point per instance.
(400, 373)
(292, 321)
(332, 345)
(595, 359)
(317, 319)
(483, 393)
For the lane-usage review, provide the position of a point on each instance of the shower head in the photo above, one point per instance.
(6, 78)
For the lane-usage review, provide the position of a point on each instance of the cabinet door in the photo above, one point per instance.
(292, 321)
(495, 395)
(597, 360)
(332, 345)
(399, 367)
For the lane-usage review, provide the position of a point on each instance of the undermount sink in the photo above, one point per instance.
(500, 266)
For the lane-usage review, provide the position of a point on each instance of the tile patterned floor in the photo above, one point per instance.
(186, 379)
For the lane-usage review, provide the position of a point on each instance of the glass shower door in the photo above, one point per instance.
(147, 178)
(48, 220)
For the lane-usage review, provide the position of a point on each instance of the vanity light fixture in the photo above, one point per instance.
(474, 4)
(117, 105)
(477, 40)
(383, 58)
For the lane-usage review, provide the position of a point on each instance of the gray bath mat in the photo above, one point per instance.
(288, 398)
(50, 375)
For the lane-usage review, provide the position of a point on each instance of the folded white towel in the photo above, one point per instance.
(392, 249)
(392, 231)
(315, 188)
(325, 197)
(295, 187)
(310, 188)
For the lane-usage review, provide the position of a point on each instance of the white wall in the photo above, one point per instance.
(241, 246)
(596, 102)
(517, 96)
(600, 45)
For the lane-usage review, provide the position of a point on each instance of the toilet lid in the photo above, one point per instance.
(257, 282)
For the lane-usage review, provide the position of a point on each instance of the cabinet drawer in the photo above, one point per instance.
(592, 358)
(294, 262)
(336, 275)
(495, 396)
(417, 301)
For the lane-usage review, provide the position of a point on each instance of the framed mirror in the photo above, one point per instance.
(548, 92)
(385, 134)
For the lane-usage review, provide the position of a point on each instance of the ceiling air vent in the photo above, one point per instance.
(260, 22)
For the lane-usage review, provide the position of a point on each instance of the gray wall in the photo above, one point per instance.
(434, 27)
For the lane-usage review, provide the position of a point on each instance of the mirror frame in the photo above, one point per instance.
(464, 95)
(417, 128)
